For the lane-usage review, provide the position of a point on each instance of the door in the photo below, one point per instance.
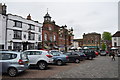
(34, 56)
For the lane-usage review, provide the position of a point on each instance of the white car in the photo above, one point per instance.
(40, 58)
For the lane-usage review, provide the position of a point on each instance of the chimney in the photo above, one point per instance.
(29, 17)
(4, 9)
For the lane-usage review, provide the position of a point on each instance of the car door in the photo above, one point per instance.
(75, 56)
(34, 56)
(70, 56)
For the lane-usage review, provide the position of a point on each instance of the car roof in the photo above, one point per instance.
(15, 52)
(36, 50)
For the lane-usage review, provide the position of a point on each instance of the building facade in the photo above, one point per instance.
(22, 33)
(54, 36)
(92, 40)
(116, 40)
(18, 33)
(49, 33)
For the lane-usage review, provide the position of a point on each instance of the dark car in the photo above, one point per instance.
(82, 55)
(59, 58)
(73, 57)
(89, 54)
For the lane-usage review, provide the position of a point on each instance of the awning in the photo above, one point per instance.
(86, 48)
(113, 48)
(79, 48)
(73, 48)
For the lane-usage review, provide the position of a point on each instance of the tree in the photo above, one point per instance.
(107, 36)
(103, 46)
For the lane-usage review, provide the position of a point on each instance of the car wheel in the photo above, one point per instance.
(59, 62)
(42, 65)
(12, 72)
(77, 61)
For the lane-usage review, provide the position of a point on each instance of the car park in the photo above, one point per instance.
(73, 57)
(59, 58)
(13, 62)
(40, 58)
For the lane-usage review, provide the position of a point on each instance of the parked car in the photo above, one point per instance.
(89, 54)
(40, 58)
(59, 58)
(82, 55)
(103, 53)
(73, 57)
(118, 54)
(13, 62)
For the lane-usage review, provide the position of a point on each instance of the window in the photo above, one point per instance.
(39, 37)
(92, 41)
(31, 27)
(17, 46)
(18, 24)
(115, 38)
(45, 37)
(115, 44)
(54, 37)
(17, 34)
(31, 46)
(33, 53)
(50, 38)
(39, 29)
(8, 56)
(31, 36)
(50, 28)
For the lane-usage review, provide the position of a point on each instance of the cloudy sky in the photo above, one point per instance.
(83, 16)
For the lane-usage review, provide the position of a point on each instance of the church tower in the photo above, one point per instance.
(47, 18)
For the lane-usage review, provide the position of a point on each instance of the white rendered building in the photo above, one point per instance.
(23, 34)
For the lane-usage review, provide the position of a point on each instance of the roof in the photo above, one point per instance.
(36, 50)
(15, 52)
(117, 34)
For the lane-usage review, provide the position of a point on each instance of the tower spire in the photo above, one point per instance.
(47, 10)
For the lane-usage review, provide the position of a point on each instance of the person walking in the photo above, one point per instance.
(113, 55)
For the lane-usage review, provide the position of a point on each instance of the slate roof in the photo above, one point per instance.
(117, 34)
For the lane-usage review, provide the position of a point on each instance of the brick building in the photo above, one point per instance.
(91, 40)
(54, 36)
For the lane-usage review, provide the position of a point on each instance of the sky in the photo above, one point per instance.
(84, 16)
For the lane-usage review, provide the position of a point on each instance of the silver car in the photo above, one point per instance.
(13, 62)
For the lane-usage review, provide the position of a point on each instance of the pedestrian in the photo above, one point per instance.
(113, 55)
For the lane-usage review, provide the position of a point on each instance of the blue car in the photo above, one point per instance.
(59, 58)
(13, 62)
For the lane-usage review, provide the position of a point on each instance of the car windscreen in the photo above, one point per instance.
(7, 56)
